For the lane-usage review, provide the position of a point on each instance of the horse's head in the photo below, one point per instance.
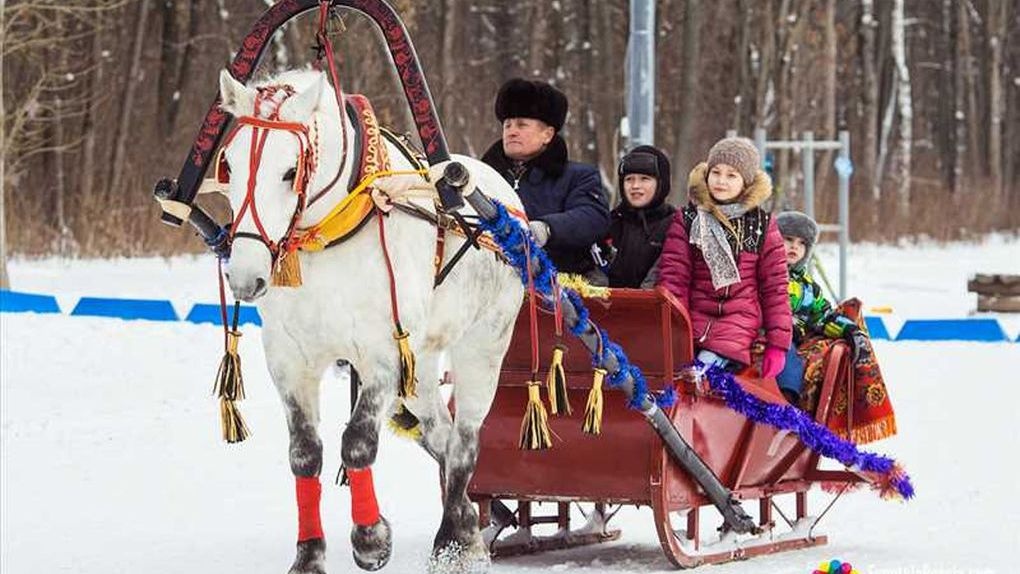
(268, 160)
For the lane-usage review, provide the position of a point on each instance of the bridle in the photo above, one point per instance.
(307, 161)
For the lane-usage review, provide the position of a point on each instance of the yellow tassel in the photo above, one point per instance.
(408, 380)
(556, 383)
(593, 410)
(287, 272)
(404, 424)
(535, 424)
(234, 429)
(230, 389)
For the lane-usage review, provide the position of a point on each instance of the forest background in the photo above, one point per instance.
(103, 97)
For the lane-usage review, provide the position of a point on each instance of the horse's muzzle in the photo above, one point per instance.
(248, 291)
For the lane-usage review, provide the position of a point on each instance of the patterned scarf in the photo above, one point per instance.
(709, 235)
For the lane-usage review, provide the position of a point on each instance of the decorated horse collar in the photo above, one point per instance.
(372, 161)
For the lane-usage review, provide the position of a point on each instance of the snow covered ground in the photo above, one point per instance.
(111, 460)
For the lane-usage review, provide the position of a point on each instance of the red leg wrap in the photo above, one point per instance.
(308, 493)
(364, 507)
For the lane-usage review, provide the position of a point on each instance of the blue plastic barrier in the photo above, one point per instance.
(988, 330)
(876, 328)
(17, 302)
(208, 313)
(150, 309)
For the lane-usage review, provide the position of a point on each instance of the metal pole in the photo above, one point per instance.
(807, 166)
(844, 168)
(641, 73)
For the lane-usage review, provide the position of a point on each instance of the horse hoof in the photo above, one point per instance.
(311, 557)
(372, 545)
(458, 558)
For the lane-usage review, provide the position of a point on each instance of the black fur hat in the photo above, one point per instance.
(520, 98)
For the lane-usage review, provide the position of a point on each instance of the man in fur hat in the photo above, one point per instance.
(564, 200)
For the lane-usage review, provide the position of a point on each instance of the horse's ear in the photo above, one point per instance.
(299, 107)
(235, 97)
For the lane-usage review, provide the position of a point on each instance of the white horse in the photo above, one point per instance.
(343, 311)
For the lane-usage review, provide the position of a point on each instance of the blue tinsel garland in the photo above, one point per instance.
(815, 436)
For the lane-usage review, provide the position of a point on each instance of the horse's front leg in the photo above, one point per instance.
(305, 453)
(371, 539)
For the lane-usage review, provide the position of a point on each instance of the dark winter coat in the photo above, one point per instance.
(639, 233)
(726, 321)
(566, 195)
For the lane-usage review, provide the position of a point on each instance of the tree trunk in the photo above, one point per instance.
(763, 73)
(823, 169)
(128, 101)
(586, 63)
(904, 107)
(539, 39)
(996, 35)
(94, 87)
(954, 24)
(449, 61)
(688, 94)
(868, 57)
(5, 280)
(744, 105)
(970, 85)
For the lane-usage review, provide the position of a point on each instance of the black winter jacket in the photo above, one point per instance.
(637, 235)
(566, 195)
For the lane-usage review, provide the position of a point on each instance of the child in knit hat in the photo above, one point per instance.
(724, 260)
(812, 313)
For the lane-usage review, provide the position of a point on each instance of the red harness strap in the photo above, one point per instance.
(364, 506)
(309, 491)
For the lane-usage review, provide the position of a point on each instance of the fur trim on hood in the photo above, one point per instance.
(753, 195)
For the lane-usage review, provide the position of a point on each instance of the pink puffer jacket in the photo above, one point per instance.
(727, 321)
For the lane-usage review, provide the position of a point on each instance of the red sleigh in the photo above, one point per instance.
(627, 464)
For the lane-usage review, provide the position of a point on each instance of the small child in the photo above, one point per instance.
(724, 260)
(812, 313)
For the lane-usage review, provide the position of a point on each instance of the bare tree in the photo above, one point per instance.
(996, 19)
(869, 111)
(691, 57)
(904, 107)
(127, 106)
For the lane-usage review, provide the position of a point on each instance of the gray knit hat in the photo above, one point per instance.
(739, 153)
(797, 224)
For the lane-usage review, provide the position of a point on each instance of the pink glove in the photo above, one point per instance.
(773, 362)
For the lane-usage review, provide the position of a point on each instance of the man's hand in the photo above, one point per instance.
(540, 231)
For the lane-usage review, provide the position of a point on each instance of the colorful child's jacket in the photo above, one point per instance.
(812, 313)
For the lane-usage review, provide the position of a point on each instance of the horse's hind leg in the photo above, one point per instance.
(305, 452)
(458, 545)
(434, 421)
(371, 539)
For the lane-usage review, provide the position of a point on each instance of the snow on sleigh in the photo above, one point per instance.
(732, 458)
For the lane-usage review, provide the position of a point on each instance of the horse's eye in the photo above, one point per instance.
(290, 175)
